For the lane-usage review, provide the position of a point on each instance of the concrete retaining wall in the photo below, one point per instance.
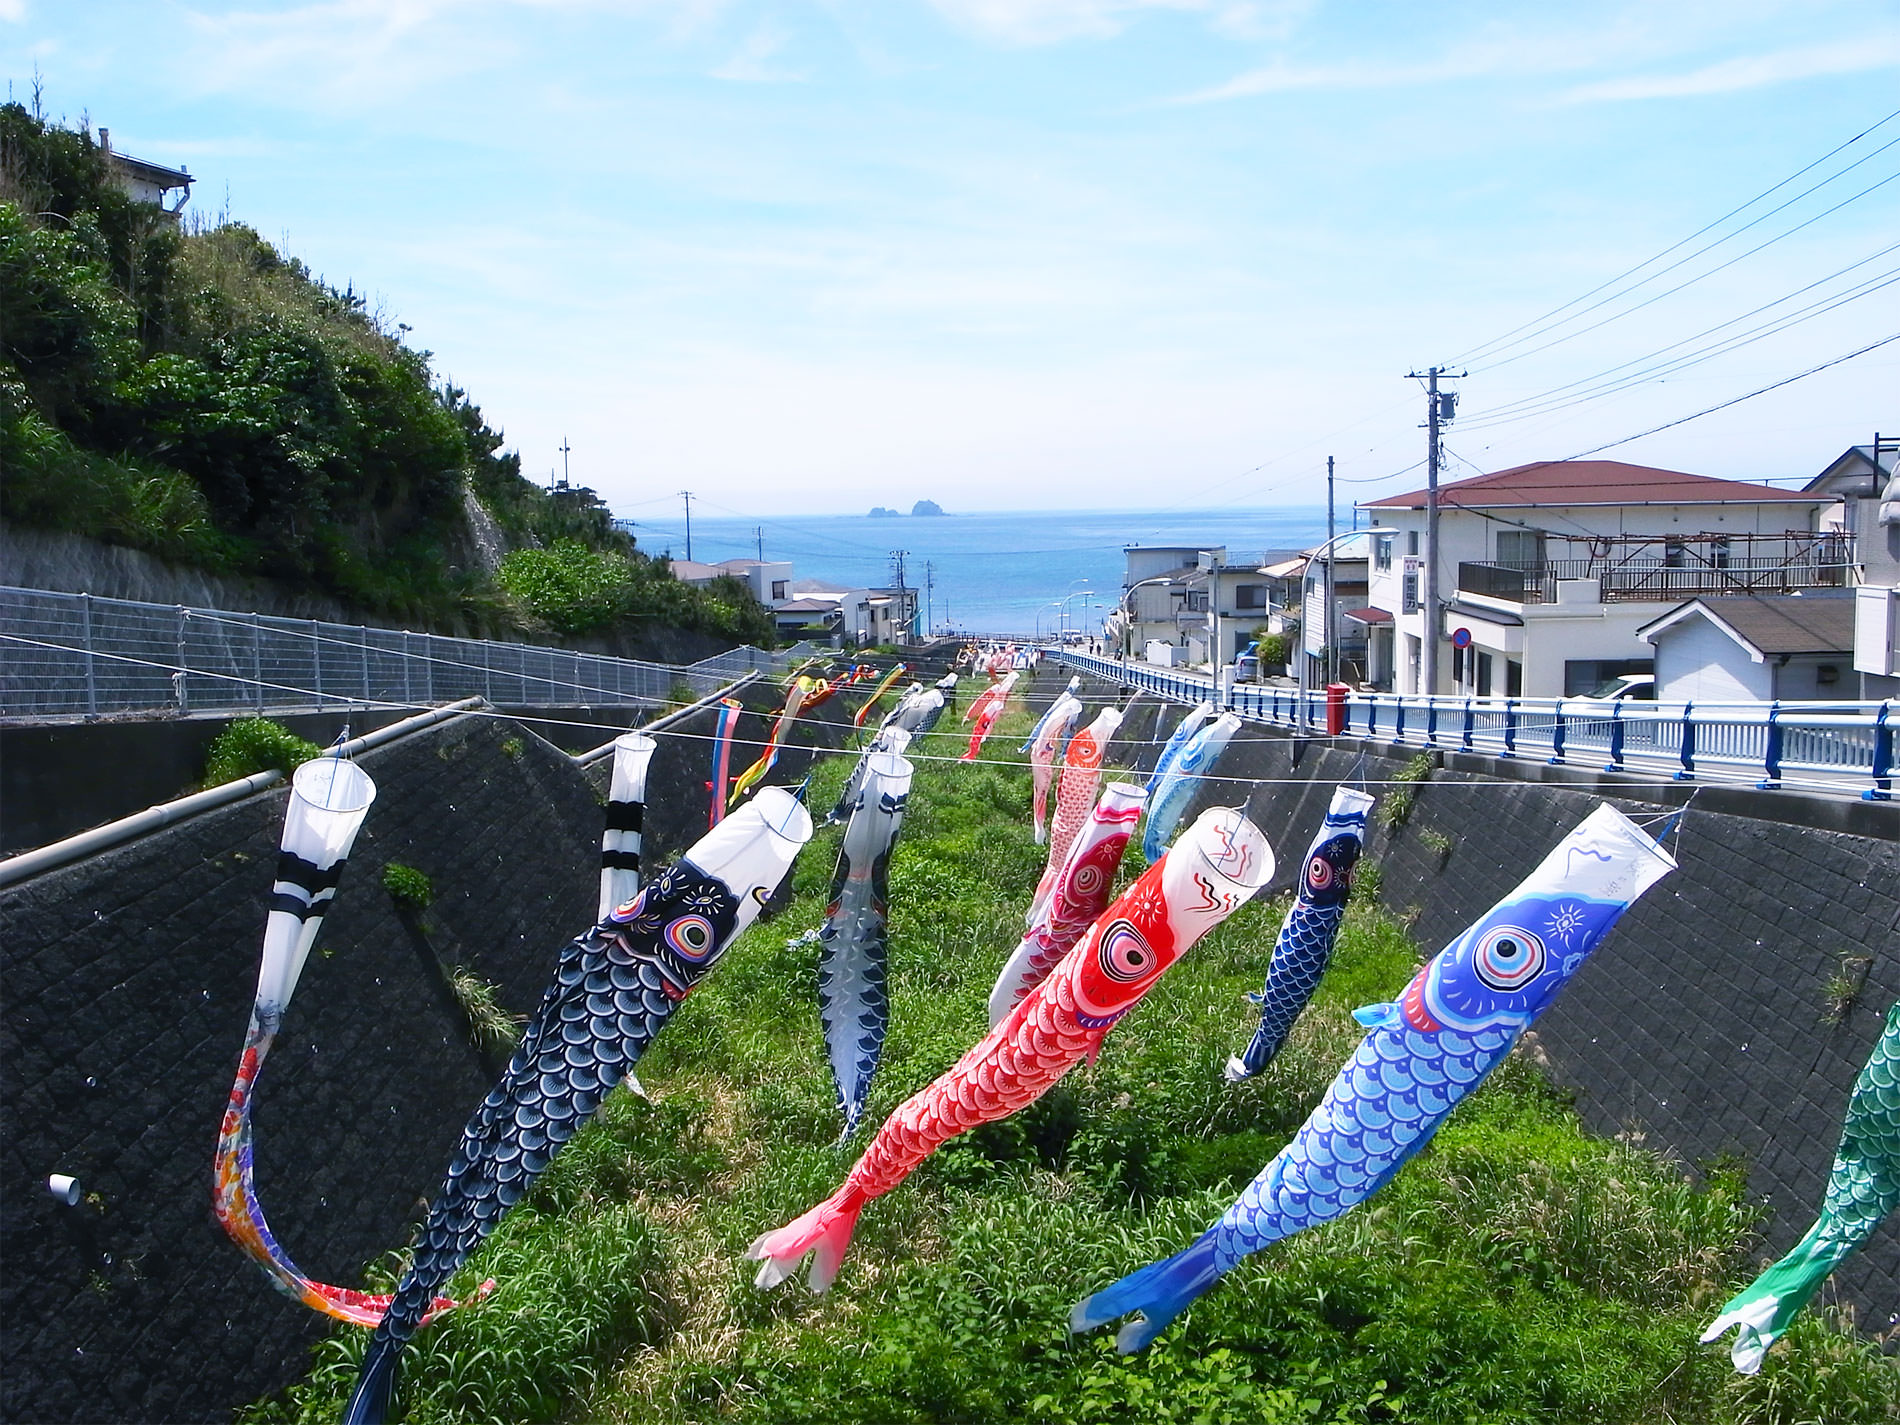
(129, 980)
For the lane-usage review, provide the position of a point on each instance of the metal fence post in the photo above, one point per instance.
(363, 633)
(92, 678)
(257, 661)
(1557, 736)
(1510, 727)
(408, 693)
(1687, 774)
(1882, 789)
(316, 661)
(1771, 754)
(178, 657)
(428, 670)
(1468, 721)
(1431, 722)
(488, 675)
(1615, 764)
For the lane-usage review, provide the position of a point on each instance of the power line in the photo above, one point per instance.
(1510, 406)
(1484, 348)
(1720, 267)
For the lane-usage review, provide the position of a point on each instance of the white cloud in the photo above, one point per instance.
(1750, 72)
(752, 63)
(1037, 22)
(13, 10)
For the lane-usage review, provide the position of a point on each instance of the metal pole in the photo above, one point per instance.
(1332, 652)
(1431, 537)
(178, 657)
(316, 661)
(257, 661)
(92, 679)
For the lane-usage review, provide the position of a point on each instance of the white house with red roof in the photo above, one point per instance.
(1548, 570)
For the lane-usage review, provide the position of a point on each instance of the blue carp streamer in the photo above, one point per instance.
(1172, 787)
(1305, 946)
(1454, 1023)
(614, 989)
(853, 1004)
(1189, 724)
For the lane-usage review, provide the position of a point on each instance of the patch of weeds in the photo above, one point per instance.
(495, 1030)
(409, 888)
(512, 748)
(1842, 990)
(1437, 842)
(1395, 809)
(255, 744)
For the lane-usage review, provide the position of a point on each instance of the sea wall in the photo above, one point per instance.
(1726, 1017)
(129, 979)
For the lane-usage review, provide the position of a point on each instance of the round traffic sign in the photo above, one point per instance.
(1461, 638)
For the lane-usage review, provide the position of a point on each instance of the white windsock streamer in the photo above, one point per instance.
(626, 811)
(329, 797)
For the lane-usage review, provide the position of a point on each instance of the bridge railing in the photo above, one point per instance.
(1823, 746)
(65, 654)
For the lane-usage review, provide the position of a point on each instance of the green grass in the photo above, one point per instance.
(255, 744)
(1517, 1270)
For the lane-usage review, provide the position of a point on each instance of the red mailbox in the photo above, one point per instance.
(1336, 708)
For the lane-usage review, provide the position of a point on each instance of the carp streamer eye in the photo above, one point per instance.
(1319, 873)
(1508, 958)
(1087, 880)
(1124, 955)
(692, 936)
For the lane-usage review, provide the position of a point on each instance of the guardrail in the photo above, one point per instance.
(77, 654)
(1818, 746)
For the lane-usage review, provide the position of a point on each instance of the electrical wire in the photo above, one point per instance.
(1720, 267)
(1510, 407)
(1485, 348)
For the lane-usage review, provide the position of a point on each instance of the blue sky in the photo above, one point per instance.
(1040, 253)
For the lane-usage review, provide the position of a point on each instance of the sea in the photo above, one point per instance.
(988, 572)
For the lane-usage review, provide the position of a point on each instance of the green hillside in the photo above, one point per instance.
(193, 392)
(1517, 1270)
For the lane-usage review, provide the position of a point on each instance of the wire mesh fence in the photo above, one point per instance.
(76, 654)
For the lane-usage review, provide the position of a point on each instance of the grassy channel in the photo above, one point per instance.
(1517, 1270)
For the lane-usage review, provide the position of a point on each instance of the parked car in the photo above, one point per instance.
(1624, 687)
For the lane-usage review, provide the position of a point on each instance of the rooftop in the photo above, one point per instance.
(1593, 482)
(1768, 627)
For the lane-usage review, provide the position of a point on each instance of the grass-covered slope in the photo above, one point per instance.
(1517, 1270)
(193, 392)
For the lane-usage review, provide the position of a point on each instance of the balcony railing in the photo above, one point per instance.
(1668, 570)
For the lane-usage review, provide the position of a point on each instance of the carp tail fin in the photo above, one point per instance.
(1235, 1070)
(376, 1385)
(825, 1232)
(1159, 1292)
(1761, 1311)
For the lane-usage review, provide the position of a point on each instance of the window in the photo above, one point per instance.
(1718, 551)
(1521, 548)
(1674, 550)
(1250, 596)
(778, 588)
(1484, 675)
(1382, 552)
(1196, 601)
(1513, 678)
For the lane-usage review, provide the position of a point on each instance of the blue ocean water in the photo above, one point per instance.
(990, 573)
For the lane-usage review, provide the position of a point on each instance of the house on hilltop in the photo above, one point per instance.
(1549, 571)
(145, 182)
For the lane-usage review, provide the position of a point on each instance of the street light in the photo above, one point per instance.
(1056, 605)
(1128, 609)
(1306, 574)
(1072, 596)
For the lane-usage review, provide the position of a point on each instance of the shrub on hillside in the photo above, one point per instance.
(255, 744)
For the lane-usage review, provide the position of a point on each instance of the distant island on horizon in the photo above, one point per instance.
(922, 507)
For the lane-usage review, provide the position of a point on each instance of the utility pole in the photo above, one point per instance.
(687, 495)
(1438, 412)
(1332, 655)
(565, 447)
(897, 564)
(930, 585)
(758, 533)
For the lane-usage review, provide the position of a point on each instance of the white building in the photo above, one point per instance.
(1792, 647)
(1169, 591)
(1549, 571)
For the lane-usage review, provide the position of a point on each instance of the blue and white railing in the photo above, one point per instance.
(1821, 746)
